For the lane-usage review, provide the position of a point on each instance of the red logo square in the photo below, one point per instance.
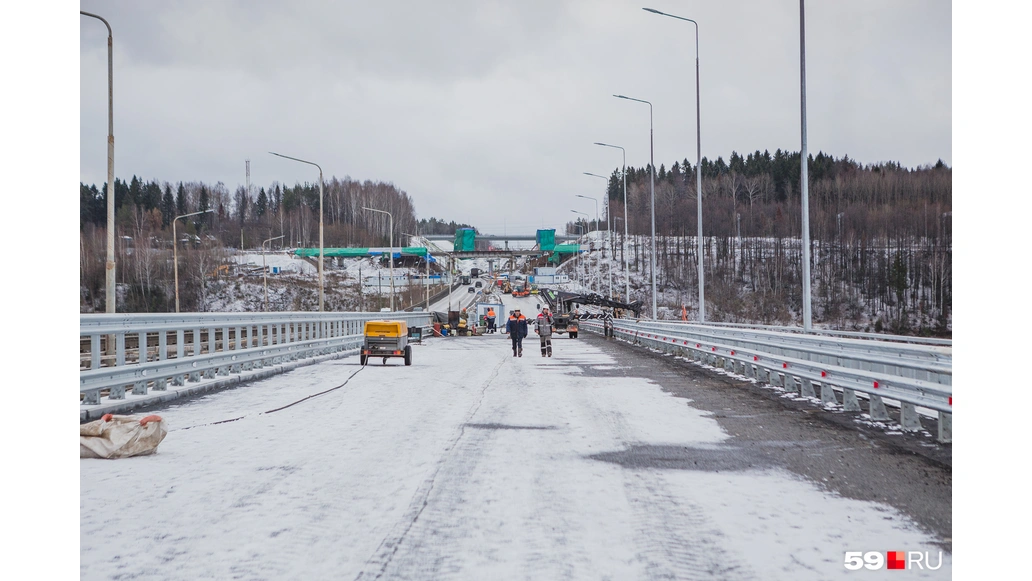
(896, 559)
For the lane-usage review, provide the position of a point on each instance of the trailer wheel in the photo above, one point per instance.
(408, 355)
(573, 335)
(363, 359)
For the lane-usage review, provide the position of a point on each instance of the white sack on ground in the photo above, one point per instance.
(121, 436)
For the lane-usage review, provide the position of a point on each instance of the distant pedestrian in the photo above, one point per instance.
(491, 320)
(517, 330)
(545, 326)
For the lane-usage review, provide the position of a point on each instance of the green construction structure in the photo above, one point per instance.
(546, 240)
(465, 240)
(561, 249)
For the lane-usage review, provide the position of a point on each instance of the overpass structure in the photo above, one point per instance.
(672, 451)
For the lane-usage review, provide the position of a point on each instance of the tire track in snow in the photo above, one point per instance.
(376, 565)
(679, 540)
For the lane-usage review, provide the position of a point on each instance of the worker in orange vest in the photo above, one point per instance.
(491, 320)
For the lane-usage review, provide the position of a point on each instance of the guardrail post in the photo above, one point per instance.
(791, 384)
(117, 391)
(877, 409)
(140, 388)
(827, 394)
(776, 380)
(849, 401)
(945, 428)
(92, 397)
(807, 388)
(94, 351)
(162, 345)
(908, 417)
(119, 349)
(161, 384)
(195, 376)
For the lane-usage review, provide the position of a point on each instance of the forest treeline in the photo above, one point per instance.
(145, 210)
(881, 238)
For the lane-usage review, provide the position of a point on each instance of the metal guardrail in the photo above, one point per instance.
(140, 352)
(913, 375)
(832, 333)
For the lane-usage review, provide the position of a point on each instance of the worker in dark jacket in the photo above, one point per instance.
(517, 329)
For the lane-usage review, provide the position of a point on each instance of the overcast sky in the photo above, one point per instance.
(486, 112)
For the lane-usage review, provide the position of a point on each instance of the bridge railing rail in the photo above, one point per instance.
(140, 352)
(912, 375)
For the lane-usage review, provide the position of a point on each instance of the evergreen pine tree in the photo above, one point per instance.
(136, 191)
(168, 207)
(262, 204)
(181, 200)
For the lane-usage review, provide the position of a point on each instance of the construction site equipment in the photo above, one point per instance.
(563, 302)
(566, 323)
(386, 339)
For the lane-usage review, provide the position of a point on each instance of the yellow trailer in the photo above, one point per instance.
(386, 339)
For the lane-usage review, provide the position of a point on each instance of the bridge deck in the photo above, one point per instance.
(471, 464)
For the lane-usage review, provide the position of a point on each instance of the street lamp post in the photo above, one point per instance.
(652, 189)
(109, 267)
(698, 162)
(320, 222)
(392, 249)
(265, 273)
(627, 275)
(175, 250)
(609, 232)
(587, 274)
(804, 181)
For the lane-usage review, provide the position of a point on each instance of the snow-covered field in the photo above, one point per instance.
(470, 464)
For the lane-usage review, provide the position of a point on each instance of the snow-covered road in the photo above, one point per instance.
(470, 464)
